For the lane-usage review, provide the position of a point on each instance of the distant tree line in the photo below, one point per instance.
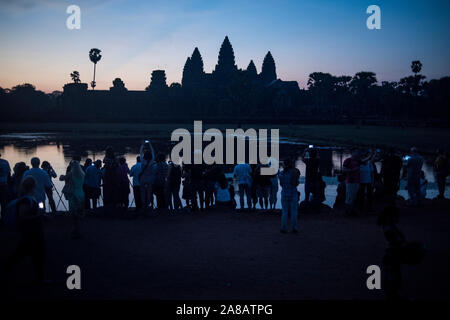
(232, 94)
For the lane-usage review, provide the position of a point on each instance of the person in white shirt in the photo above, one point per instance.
(243, 174)
(43, 181)
(366, 178)
(135, 171)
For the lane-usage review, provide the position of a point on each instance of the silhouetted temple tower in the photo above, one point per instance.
(196, 66)
(226, 66)
(268, 72)
(186, 80)
(251, 70)
(158, 80)
(193, 72)
(118, 86)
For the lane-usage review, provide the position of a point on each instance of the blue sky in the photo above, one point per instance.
(137, 37)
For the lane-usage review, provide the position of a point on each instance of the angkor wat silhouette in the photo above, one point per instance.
(227, 90)
(229, 94)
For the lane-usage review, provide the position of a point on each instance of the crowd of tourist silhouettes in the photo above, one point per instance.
(156, 183)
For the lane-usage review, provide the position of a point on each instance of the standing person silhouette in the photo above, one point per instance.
(147, 155)
(441, 171)
(92, 183)
(49, 191)
(135, 171)
(31, 241)
(312, 174)
(5, 172)
(352, 170)
(16, 179)
(73, 191)
(173, 186)
(289, 180)
(110, 181)
(263, 185)
(198, 186)
(43, 182)
(413, 168)
(390, 172)
(243, 174)
(367, 179)
(159, 180)
(124, 184)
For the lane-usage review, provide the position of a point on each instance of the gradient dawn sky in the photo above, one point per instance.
(137, 37)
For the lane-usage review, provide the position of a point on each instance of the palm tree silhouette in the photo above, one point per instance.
(416, 67)
(95, 56)
(75, 75)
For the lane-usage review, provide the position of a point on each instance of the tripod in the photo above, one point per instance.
(60, 197)
(131, 185)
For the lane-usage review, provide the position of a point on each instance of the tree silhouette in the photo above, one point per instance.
(94, 56)
(362, 81)
(75, 75)
(416, 66)
(321, 86)
(413, 84)
(341, 92)
(361, 86)
(25, 88)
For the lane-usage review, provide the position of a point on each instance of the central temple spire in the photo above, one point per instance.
(268, 72)
(225, 65)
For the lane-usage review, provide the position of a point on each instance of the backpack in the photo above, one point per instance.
(10, 217)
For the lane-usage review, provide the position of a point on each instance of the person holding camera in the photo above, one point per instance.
(43, 182)
(312, 174)
(49, 191)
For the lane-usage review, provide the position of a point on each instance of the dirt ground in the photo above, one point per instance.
(228, 255)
